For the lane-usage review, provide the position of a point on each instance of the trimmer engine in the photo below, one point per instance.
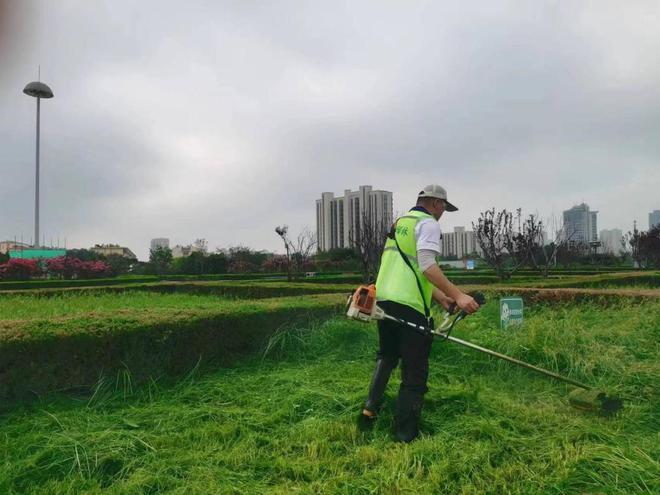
(362, 305)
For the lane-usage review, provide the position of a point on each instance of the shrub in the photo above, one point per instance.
(240, 266)
(19, 269)
(68, 267)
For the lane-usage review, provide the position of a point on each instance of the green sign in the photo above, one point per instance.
(511, 311)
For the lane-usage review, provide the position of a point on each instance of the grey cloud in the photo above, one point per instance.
(223, 120)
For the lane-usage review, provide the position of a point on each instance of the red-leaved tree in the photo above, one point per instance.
(19, 269)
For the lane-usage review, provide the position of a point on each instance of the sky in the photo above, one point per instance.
(224, 119)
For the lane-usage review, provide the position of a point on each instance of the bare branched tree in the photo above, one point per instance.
(368, 240)
(283, 232)
(543, 254)
(302, 250)
(298, 251)
(504, 247)
(494, 232)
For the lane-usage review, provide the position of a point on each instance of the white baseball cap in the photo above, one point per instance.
(439, 192)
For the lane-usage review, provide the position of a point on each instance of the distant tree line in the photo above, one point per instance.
(510, 241)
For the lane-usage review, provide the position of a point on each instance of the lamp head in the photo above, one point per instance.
(38, 90)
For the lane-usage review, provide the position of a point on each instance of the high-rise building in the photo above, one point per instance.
(339, 221)
(611, 241)
(459, 243)
(162, 242)
(581, 224)
(654, 218)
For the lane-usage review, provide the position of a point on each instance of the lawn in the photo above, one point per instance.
(284, 422)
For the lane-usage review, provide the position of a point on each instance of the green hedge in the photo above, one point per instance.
(240, 290)
(651, 279)
(535, 295)
(41, 356)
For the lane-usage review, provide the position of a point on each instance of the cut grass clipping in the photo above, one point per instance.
(284, 421)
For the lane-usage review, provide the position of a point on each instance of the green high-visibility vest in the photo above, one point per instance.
(396, 281)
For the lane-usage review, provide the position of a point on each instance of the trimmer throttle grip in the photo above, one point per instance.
(478, 296)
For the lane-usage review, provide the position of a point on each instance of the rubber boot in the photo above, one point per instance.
(408, 415)
(377, 388)
(378, 385)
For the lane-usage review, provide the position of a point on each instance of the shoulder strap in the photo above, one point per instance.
(427, 310)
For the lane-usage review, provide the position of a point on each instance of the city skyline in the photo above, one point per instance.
(539, 107)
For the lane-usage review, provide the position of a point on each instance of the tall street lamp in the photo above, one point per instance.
(39, 90)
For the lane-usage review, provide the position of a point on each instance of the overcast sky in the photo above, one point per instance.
(222, 120)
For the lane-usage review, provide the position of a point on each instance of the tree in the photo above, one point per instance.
(368, 240)
(494, 231)
(283, 232)
(19, 269)
(160, 258)
(83, 254)
(544, 256)
(244, 254)
(119, 264)
(201, 245)
(276, 263)
(298, 251)
(645, 247)
(504, 248)
(216, 263)
(193, 264)
(649, 247)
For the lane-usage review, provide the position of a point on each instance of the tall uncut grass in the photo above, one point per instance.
(283, 422)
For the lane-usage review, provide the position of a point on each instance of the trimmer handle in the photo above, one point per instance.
(477, 296)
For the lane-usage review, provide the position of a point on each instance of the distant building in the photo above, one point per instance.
(162, 242)
(581, 224)
(6, 246)
(654, 218)
(459, 243)
(113, 249)
(340, 220)
(611, 241)
(184, 251)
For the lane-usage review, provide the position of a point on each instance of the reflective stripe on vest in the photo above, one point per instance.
(396, 281)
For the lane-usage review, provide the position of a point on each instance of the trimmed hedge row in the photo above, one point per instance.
(42, 356)
(651, 279)
(553, 295)
(239, 290)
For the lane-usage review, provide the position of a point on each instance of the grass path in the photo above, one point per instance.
(285, 424)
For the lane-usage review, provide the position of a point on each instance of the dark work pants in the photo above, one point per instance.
(400, 342)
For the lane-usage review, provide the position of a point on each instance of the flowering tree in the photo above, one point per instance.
(276, 263)
(94, 269)
(68, 267)
(19, 269)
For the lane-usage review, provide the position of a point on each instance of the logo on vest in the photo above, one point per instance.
(401, 230)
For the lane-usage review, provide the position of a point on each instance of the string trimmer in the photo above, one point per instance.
(362, 306)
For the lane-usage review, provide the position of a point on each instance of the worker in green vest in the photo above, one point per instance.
(408, 280)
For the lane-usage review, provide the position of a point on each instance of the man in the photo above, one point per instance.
(408, 279)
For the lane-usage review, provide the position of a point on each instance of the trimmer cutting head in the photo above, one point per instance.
(596, 401)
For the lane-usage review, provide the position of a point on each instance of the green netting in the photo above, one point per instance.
(37, 253)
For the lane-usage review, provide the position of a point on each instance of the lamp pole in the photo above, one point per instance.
(38, 90)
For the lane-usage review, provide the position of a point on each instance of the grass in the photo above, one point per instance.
(26, 307)
(31, 306)
(284, 422)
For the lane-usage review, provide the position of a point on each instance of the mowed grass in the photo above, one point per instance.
(25, 306)
(188, 296)
(284, 423)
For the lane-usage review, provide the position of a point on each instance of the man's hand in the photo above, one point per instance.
(467, 303)
(446, 302)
